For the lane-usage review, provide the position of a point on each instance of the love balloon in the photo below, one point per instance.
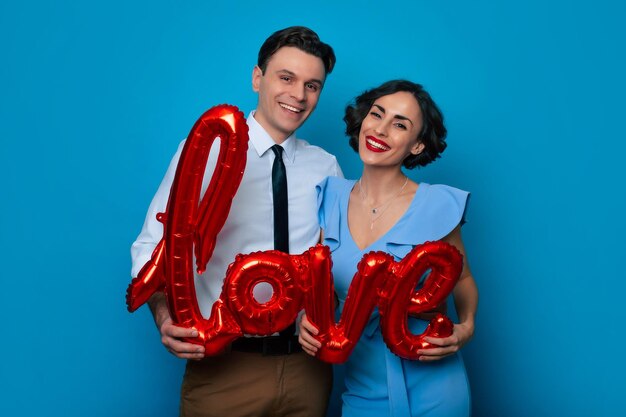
(191, 225)
(381, 281)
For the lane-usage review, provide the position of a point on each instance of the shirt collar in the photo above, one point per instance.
(262, 141)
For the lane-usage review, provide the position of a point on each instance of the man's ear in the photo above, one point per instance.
(256, 78)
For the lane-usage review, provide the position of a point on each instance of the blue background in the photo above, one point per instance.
(95, 96)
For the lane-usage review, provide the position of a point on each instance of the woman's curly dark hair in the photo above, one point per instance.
(433, 131)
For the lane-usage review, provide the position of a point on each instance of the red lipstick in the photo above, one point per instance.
(376, 145)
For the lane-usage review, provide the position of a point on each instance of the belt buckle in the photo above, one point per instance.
(276, 345)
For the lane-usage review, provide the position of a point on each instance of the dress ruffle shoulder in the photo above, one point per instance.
(434, 212)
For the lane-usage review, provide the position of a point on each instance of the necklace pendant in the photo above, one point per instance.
(374, 211)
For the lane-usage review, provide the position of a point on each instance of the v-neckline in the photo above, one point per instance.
(406, 212)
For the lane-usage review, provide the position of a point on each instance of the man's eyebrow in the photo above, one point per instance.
(396, 116)
(286, 71)
(293, 74)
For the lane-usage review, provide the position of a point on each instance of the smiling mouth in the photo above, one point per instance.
(377, 145)
(291, 108)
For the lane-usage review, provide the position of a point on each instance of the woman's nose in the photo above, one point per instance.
(381, 128)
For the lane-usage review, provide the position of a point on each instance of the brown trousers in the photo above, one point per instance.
(241, 384)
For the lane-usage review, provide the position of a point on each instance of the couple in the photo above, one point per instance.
(389, 126)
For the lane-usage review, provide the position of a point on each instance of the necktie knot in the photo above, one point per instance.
(278, 150)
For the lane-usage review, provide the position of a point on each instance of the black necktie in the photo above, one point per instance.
(281, 212)
(279, 192)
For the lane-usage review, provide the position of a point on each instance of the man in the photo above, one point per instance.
(270, 375)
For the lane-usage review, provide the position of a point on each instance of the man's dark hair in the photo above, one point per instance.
(433, 131)
(299, 37)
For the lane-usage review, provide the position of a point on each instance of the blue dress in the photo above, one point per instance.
(379, 383)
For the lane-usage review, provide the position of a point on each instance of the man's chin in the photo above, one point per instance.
(292, 125)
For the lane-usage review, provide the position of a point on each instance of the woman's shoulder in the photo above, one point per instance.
(436, 210)
(443, 190)
(443, 204)
(333, 185)
(441, 195)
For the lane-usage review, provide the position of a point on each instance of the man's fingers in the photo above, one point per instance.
(170, 337)
(308, 338)
(178, 332)
(309, 352)
(182, 347)
(308, 325)
(307, 344)
(191, 356)
(310, 328)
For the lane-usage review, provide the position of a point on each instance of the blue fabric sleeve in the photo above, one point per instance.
(442, 210)
(328, 210)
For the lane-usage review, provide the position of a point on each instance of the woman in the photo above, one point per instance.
(396, 124)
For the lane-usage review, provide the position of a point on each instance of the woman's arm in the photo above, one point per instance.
(466, 302)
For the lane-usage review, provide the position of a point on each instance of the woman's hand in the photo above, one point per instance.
(461, 334)
(466, 302)
(306, 338)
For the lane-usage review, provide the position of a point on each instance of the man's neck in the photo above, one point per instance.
(277, 136)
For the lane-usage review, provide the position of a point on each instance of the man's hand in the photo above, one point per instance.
(309, 344)
(171, 335)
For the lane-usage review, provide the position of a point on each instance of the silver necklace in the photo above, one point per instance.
(377, 212)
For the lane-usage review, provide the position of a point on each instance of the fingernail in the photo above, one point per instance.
(194, 333)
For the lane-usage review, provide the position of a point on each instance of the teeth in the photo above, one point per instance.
(377, 145)
(290, 108)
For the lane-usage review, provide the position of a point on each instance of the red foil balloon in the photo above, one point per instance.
(282, 271)
(379, 279)
(401, 299)
(297, 280)
(190, 222)
(338, 339)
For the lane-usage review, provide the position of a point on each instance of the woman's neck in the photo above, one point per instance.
(379, 185)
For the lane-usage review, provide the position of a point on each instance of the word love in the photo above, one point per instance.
(298, 281)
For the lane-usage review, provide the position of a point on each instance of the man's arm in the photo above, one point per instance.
(141, 251)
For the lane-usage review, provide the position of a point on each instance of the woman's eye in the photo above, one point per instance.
(374, 114)
(400, 126)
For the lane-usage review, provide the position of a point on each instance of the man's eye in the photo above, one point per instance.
(285, 78)
(312, 87)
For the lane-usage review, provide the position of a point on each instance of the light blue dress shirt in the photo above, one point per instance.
(250, 223)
